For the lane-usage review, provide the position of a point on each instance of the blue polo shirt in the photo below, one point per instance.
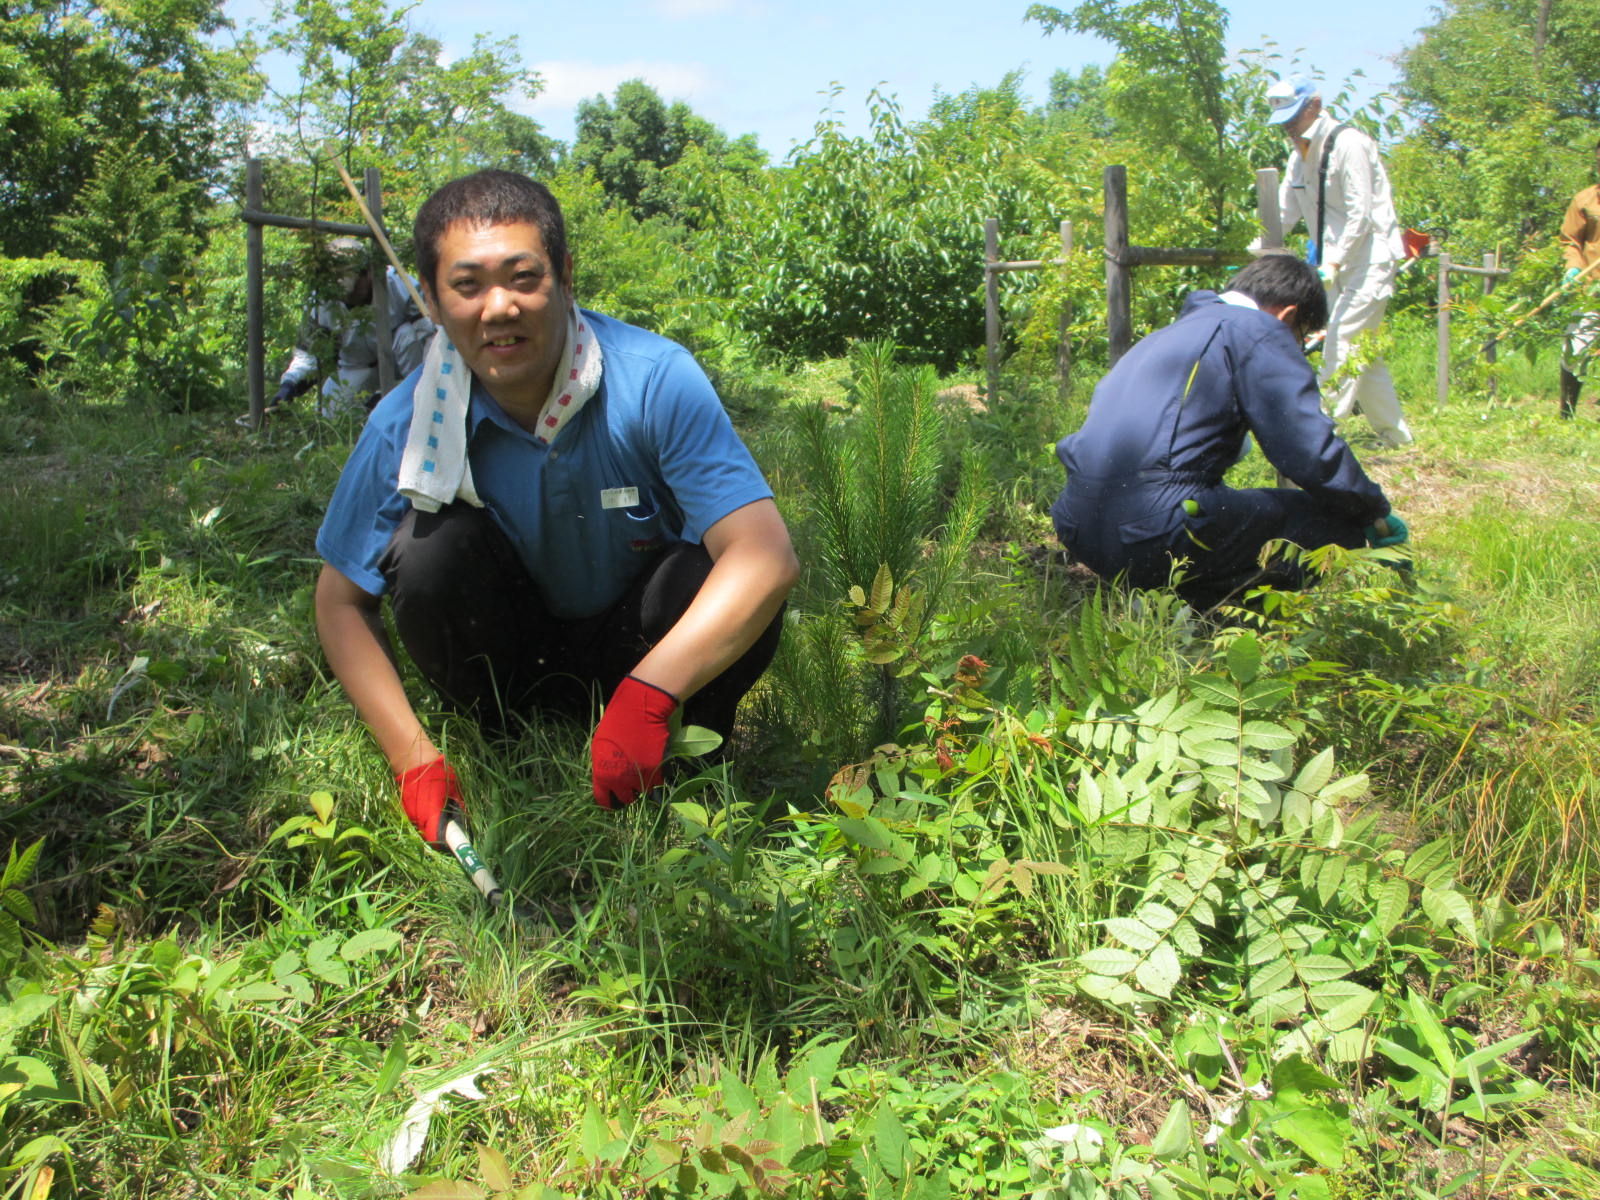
(655, 426)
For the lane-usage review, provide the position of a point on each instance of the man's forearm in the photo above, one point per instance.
(358, 652)
(741, 595)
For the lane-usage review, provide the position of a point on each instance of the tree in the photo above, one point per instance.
(372, 92)
(87, 87)
(632, 142)
(878, 237)
(1078, 103)
(1169, 86)
(1504, 131)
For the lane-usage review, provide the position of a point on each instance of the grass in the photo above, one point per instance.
(827, 960)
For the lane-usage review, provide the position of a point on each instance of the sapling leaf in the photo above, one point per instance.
(1176, 1134)
(1132, 932)
(1160, 971)
(1317, 1133)
(1316, 773)
(1272, 976)
(1426, 859)
(1263, 735)
(890, 1142)
(1341, 1002)
(1295, 1079)
(1391, 903)
(1443, 907)
(1108, 961)
(882, 589)
(367, 942)
(1214, 689)
(1244, 658)
(692, 741)
(1157, 916)
(813, 1070)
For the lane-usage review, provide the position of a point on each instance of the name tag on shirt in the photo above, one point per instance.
(623, 497)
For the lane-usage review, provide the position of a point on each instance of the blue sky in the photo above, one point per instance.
(762, 67)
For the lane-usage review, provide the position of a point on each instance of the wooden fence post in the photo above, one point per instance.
(381, 332)
(1491, 262)
(991, 307)
(1442, 389)
(1119, 283)
(1267, 211)
(255, 368)
(1064, 324)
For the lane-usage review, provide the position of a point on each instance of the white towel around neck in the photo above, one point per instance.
(434, 470)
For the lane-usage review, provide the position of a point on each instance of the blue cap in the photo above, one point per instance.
(1288, 96)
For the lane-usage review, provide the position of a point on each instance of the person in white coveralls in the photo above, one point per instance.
(1336, 184)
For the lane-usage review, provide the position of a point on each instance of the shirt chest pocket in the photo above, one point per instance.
(632, 517)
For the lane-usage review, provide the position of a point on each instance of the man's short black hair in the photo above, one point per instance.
(488, 198)
(1275, 280)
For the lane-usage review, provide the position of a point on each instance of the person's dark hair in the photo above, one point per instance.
(488, 198)
(1275, 280)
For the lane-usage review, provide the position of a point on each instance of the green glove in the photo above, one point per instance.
(1388, 531)
(1571, 274)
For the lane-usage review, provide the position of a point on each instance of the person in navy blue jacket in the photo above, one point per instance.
(1145, 499)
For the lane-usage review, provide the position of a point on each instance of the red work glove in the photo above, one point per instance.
(630, 742)
(430, 795)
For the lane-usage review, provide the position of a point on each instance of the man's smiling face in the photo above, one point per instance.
(504, 305)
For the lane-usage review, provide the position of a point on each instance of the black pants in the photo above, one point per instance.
(1223, 546)
(475, 623)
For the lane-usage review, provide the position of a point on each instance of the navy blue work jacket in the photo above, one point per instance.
(1172, 416)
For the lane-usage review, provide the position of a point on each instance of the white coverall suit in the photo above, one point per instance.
(1361, 241)
(356, 372)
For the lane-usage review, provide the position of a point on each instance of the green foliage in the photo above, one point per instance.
(87, 86)
(128, 335)
(877, 237)
(15, 907)
(633, 142)
(1505, 128)
(118, 118)
(370, 91)
(1168, 85)
(26, 285)
(1079, 103)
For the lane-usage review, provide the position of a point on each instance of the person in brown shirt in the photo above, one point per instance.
(1580, 246)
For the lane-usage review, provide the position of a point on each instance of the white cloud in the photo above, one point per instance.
(566, 82)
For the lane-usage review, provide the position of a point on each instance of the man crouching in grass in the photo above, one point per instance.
(556, 506)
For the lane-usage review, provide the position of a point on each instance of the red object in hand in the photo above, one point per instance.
(630, 742)
(425, 793)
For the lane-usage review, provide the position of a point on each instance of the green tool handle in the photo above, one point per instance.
(482, 878)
